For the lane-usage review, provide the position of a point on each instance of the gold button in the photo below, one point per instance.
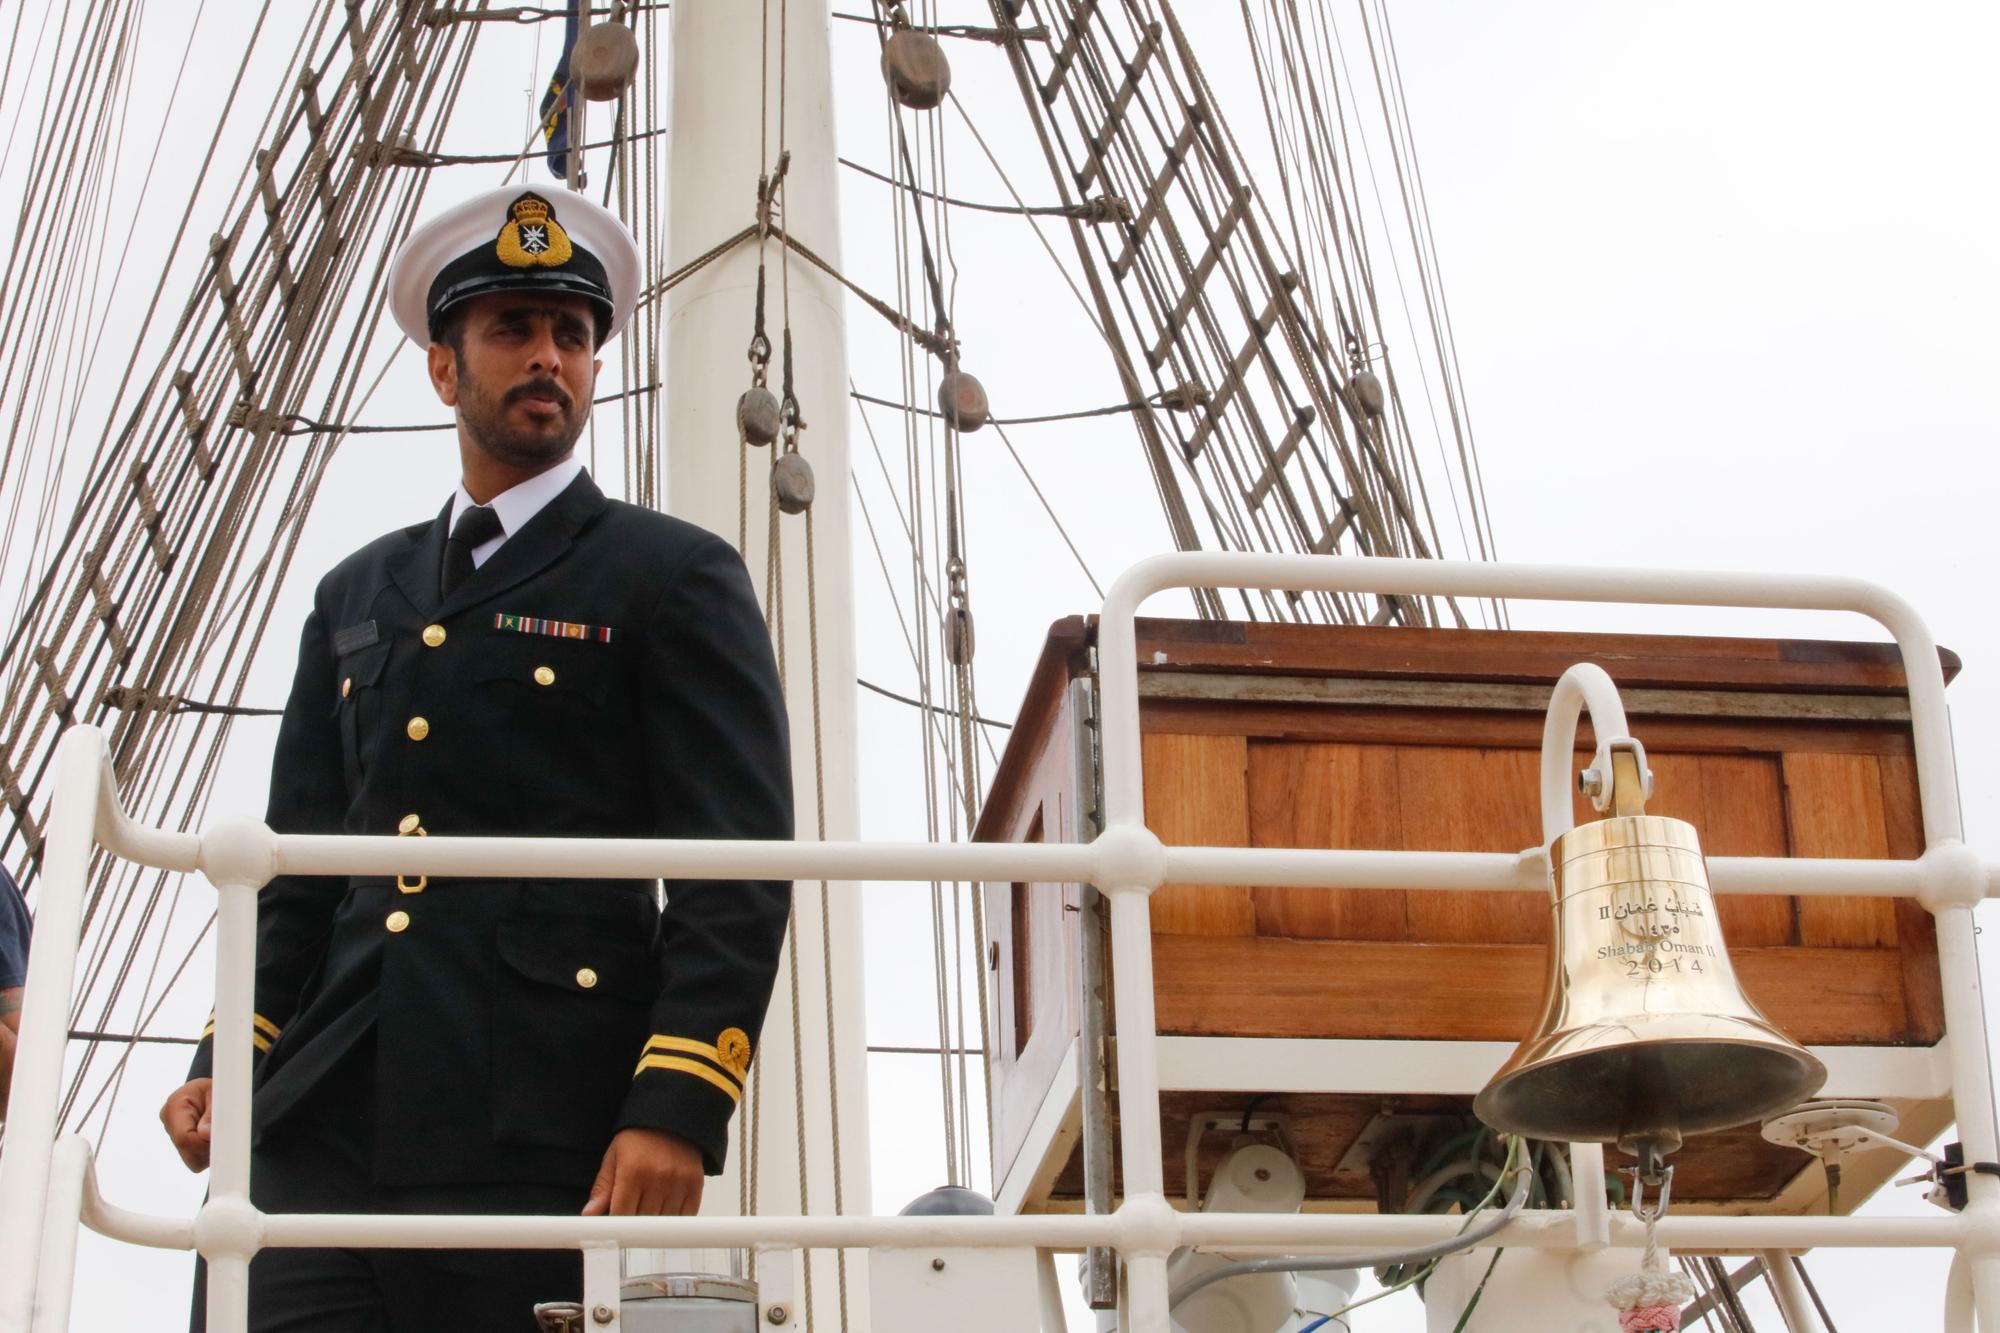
(433, 635)
(586, 978)
(347, 687)
(544, 676)
(409, 824)
(418, 728)
(398, 922)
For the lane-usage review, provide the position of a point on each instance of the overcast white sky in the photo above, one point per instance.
(1721, 275)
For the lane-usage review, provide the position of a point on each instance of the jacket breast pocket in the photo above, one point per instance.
(570, 1007)
(545, 670)
(357, 705)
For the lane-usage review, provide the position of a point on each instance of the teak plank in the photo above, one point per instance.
(1833, 807)
(1197, 795)
(1456, 799)
(1634, 660)
(1916, 931)
(1371, 725)
(1252, 987)
(1304, 795)
(1743, 814)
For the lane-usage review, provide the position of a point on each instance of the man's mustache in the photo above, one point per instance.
(539, 389)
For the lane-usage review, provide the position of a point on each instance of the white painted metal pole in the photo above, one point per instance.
(55, 1284)
(1972, 1096)
(229, 1106)
(1958, 1296)
(34, 1109)
(1790, 1293)
(1584, 687)
(1587, 1196)
(727, 86)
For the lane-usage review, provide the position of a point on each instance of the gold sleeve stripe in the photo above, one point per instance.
(702, 1049)
(679, 1065)
(261, 1035)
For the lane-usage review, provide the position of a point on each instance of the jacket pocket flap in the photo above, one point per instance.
(550, 665)
(359, 670)
(576, 957)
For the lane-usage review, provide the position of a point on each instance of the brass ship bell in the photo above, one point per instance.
(1645, 1035)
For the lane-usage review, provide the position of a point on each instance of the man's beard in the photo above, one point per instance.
(485, 419)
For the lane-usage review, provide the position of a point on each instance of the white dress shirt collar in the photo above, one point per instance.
(516, 505)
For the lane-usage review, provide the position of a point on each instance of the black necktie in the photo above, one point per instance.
(476, 526)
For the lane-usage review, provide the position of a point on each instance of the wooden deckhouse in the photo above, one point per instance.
(1343, 1011)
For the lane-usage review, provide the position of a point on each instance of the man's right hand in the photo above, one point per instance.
(185, 1116)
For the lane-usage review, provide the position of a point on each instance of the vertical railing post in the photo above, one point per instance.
(237, 857)
(602, 1281)
(1588, 1197)
(34, 1109)
(229, 1109)
(1131, 865)
(1789, 1293)
(1972, 1098)
(55, 1283)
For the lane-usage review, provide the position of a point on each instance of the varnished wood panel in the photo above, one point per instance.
(1916, 932)
(1833, 807)
(1213, 986)
(1304, 795)
(1197, 794)
(1742, 813)
(1634, 660)
(1522, 731)
(1465, 800)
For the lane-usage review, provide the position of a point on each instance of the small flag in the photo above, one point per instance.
(556, 105)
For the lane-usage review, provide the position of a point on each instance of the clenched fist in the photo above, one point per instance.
(186, 1117)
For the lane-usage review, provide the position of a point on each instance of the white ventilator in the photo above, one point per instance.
(1254, 1178)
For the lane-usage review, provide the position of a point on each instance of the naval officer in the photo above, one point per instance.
(537, 659)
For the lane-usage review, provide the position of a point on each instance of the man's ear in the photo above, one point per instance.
(597, 367)
(442, 363)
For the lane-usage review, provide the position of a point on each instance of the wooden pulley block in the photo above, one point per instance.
(915, 68)
(1368, 392)
(958, 635)
(604, 61)
(792, 483)
(962, 400)
(757, 415)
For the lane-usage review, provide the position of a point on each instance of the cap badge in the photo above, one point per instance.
(532, 236)
(732, 1050)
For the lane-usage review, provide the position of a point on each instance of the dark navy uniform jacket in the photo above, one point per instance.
(606, 673)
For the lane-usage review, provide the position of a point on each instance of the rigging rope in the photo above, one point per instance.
(1098, 208)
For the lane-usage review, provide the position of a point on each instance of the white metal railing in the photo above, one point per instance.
(47, 1185)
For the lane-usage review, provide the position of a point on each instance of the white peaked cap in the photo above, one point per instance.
(519, 237)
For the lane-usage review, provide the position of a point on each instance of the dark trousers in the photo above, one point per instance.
(322, 1163)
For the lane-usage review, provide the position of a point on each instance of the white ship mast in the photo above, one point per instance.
(726, 93)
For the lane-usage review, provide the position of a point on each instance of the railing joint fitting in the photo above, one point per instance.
(230, 1227)
(1148, 1227)
(1129, 857)
(1952, 875)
